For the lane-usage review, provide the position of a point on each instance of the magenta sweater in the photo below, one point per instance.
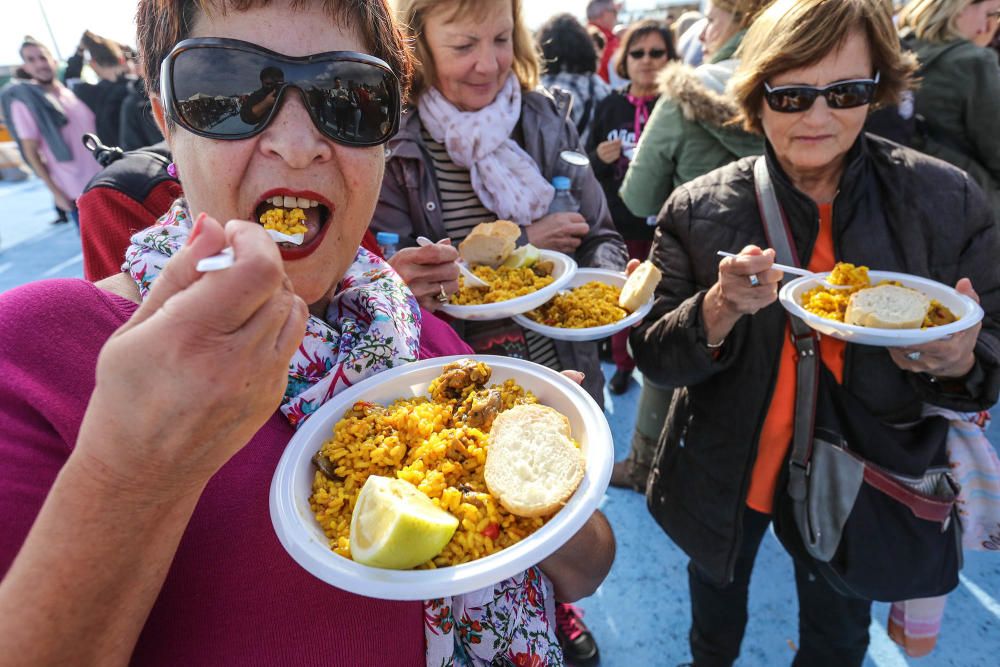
(232, 596)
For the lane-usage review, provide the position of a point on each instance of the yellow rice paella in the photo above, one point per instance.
(593, 304)
(506, 283)
(832, 303)
(437, 443)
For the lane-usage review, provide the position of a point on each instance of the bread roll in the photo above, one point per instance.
(887, 307)
(489, 243)
(532, 465)
(639, 286)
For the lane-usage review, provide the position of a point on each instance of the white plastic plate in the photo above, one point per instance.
(304, 540)
(965, 309)
(581, 277)
(564, 268)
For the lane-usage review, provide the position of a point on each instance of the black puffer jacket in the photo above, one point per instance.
(897, 210)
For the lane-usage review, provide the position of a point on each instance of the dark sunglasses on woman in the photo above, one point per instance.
(839, 95)
(231, 89)
(639, 54)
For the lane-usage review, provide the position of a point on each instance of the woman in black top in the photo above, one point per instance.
(618, 120)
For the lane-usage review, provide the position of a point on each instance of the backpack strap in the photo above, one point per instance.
(133, 173)
(806, 340)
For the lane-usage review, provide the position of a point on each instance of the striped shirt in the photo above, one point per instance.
(461, 210)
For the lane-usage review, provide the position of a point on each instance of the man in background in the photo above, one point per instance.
(48, 121)
(603, 15)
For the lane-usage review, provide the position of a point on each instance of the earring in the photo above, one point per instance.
(172, 170)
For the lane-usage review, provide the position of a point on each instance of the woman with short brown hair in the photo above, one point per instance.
(810, 72)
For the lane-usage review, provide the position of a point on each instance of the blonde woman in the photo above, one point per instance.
(959, 93)
(479, 143)
(811, 71)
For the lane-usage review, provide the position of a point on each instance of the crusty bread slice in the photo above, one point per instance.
(639, 286)
(532, 465)
(489, 243)
(887, 307)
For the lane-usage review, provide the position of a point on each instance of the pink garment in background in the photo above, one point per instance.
(232, 595)
(71, 177)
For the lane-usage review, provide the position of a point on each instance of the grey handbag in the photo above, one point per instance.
(872, 532)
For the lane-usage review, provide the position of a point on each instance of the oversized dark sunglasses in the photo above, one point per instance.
(639, 54)
(230, 89)
(839, 95)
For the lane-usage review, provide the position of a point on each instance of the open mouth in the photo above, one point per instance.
(296, 220)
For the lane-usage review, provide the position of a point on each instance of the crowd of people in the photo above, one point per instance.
(159, 402)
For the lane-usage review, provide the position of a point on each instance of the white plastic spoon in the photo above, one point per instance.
(224, 259)
(470, 277)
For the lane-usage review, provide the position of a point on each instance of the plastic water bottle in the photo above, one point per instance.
(564, 201)
(388, 242)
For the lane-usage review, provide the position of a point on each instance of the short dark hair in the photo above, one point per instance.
(161, 24)
(598, 38)
(103, 51)
(566, 46)
(637, 31)
(597, 7)
(31, 41)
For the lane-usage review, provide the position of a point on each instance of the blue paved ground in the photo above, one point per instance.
(640, 614)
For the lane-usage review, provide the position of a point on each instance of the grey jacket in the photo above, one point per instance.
(409, 203)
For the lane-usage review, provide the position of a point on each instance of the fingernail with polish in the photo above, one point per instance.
(196, 228)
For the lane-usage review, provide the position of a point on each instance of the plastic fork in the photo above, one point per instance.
(470, 277)
(818, 277)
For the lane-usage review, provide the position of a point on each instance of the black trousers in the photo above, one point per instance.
(833, 629)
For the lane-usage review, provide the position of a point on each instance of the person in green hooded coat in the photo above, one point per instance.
(959, 94)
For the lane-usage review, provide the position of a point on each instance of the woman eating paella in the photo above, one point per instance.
(810, 72)
(144, 440)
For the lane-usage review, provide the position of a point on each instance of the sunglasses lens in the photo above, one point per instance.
(227, 92)
(850, 95)
(210, 91)
(791, 100)
(639, 54)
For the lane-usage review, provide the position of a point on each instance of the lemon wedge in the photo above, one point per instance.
(395, 526)
(524, 256)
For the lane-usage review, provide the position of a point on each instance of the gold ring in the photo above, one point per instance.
(754, 280)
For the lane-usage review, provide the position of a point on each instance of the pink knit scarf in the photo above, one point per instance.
(503, 175)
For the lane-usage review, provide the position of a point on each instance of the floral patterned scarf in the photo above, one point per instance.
(372, 323)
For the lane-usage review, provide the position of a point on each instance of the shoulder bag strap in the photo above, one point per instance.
(806, 341)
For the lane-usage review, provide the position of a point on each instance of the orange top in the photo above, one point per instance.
(776, 435)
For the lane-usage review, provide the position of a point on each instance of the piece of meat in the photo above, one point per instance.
(543, 267)
(484, 409)
(326, 466)
(464, 372)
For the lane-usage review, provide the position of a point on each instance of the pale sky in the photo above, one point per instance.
(115, 19)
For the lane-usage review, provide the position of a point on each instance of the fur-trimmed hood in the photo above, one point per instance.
(700, 92)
